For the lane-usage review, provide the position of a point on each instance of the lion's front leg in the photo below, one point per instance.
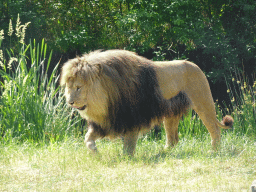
(90, 137)
(130, 141)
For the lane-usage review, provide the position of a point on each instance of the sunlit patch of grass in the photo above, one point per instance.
(189, 166)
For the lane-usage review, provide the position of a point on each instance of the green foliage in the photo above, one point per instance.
(222, 32)
(31, 104)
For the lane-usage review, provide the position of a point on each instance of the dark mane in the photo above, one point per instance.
(148, 103)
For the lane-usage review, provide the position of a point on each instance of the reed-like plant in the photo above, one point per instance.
(31, 104)
(243, 99)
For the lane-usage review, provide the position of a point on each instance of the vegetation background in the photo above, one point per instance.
(218, 35)
(41, 144)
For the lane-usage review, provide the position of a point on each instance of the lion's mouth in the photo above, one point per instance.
(80, 108)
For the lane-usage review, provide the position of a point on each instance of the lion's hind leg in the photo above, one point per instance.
(209, 119)
(199, 93)
(202, 103)
(215, 132)
(171, 129)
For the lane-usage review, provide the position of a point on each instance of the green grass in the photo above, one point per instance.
(41, 147)
(69, 166)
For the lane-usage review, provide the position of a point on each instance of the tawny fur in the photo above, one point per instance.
(110, 89)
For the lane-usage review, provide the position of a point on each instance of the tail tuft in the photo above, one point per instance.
(228, 121)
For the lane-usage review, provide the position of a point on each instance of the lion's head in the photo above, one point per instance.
(83, 88)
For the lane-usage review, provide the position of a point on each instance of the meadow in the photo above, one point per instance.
(42, 149)
(190, 166)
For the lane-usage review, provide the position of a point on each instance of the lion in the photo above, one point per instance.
(122, 94)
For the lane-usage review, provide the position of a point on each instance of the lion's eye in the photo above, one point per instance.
(78, 88)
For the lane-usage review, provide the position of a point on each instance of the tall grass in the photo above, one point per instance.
(31, 104)
(243, 99)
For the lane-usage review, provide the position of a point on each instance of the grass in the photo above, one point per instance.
(41, 148)
(190, 166)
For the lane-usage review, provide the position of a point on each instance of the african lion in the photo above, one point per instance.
(122, 94)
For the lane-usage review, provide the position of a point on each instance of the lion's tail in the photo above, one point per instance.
(226, 123)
